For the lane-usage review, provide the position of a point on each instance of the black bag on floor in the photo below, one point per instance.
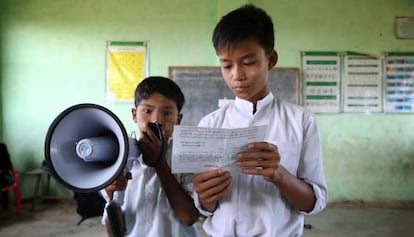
(89, 204)
(6, 175)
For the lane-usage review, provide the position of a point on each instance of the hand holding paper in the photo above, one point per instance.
(196, 149)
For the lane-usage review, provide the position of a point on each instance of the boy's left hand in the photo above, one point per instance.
(262, 158)
(119, 184)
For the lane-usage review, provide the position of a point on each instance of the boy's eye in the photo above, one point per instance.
(146, 110)
(226, 66)
(168, 113)
(248, 63)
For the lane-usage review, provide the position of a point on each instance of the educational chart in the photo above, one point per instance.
(399, 82)
(321, 81)
(126, 67)
(361, 84)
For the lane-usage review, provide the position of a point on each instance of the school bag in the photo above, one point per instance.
(6, 176)
(89, 204)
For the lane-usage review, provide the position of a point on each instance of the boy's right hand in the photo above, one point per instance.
(118, 185)
(151, 146)
(211, 186)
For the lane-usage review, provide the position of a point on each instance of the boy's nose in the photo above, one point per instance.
(238, 73)
(156, 117)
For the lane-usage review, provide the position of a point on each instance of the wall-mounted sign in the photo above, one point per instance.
(126, 67)
(404, 27)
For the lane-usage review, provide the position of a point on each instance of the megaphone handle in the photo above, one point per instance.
(117, 227)
(112, 211)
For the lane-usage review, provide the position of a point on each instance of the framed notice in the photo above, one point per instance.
(404, 27)
(362, 83)
(321, 73)
(399, 82)
(126, 66)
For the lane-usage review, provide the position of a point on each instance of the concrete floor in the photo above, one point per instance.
(361, 222)
(59, 218)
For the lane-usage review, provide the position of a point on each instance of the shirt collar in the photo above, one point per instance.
(247, 107)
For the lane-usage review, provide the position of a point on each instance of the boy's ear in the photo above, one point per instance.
(134, 113)
(179, 118)
(273, 57)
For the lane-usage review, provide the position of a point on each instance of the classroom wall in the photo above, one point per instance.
(1, 65)
(52, 55)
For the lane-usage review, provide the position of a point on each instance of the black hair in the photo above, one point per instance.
(246, 22)
(162, 85)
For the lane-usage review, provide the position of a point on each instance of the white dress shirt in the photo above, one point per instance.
(146, 208)
(254, 206)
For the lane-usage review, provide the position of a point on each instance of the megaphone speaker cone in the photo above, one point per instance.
(86, 147)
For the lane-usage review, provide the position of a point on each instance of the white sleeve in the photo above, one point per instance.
(106, 197)
(311, 164)
(199, 207)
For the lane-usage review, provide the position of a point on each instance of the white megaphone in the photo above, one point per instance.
(87, 148)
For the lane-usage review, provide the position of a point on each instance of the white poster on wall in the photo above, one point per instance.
(399, 82)
(321, 81)
(362, 83)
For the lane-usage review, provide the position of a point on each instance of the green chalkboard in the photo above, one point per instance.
(203, 87)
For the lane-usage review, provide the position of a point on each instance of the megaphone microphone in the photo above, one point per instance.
(87, 148)
(95, 149)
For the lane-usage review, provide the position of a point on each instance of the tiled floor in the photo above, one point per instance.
(59, 218)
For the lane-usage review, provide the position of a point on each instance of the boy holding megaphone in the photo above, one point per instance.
(157, 202)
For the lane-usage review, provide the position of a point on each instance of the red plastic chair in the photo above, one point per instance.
(15, 186)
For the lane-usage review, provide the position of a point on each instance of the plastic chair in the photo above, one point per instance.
(15, 186)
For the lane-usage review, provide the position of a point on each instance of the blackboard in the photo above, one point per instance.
(203, 87)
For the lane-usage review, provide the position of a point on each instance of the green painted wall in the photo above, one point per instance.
(52, 55)
(2, 19)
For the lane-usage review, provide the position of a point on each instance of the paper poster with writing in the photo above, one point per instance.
(362, 83)
(126, 67)
(321, 81)
(399, 82)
